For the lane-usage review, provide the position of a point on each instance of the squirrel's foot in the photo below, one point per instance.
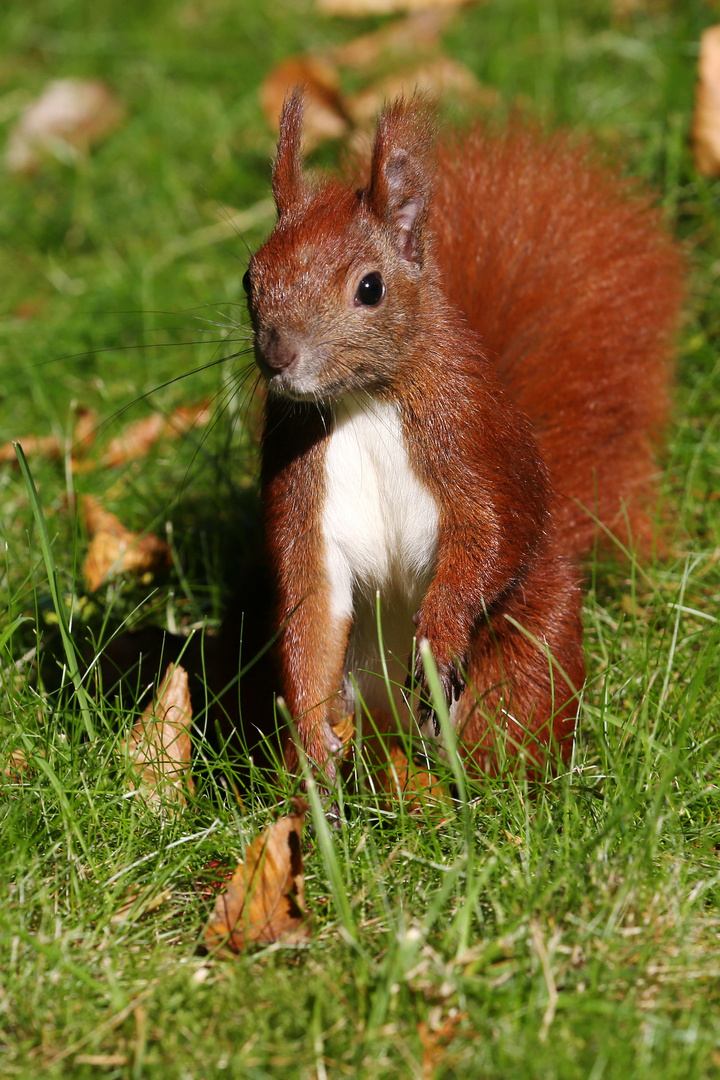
(326, 775)
(452, 684)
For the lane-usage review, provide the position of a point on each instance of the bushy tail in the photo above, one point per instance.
(565, 271)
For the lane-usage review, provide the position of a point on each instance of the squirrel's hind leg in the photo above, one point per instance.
(525, 674)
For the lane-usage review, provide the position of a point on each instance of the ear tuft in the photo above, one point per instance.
(401, 179)
(287, 176)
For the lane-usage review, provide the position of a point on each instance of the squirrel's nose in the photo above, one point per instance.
(280, 351)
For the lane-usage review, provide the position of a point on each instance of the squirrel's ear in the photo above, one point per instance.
(401, 178)
(287, 175)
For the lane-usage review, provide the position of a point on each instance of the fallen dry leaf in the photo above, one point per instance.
(137, 439)
(324, 112)
(16, 767)
(433, 79)
(354, 8)
(265, 899)
(435, 1041)
(54, 446)
(47, 446)
(115, 550)
(159, 745)
(623, 10)
(215, 877)
(138, 904)
(68, 117)
(345, 731)
(706, 119)
(418, 32)
(27, 309)
(417, 787)
(84, 433)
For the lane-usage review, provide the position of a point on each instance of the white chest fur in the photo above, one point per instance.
(380, 529)
(380, 523)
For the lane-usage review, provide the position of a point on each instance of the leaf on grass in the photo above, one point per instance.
(417, 787)
(28, 309)
(324, 112)
(706, 119)
(434, 1037)
(138, 439)
(418, 32)
(625, 9)
(345, 731)
(64, 122)
(54, 446)
(215, 878)
(159, 744)
(432, 79)
(16, 767)
(137, 903)
(353, 8)
(265, 899)
(115, 550)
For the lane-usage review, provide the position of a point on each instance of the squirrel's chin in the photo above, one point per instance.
(283, 384)
(279, 386)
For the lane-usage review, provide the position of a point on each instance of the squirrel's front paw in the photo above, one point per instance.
(452, 684)
(324, 752)
(322, 746)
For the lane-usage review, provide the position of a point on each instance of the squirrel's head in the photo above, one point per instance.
(340, 290)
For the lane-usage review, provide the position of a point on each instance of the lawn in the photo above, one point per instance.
(558, 930)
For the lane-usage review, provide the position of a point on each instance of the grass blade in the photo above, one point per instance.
(57, 597)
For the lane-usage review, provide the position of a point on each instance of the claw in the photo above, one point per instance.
(427, 717)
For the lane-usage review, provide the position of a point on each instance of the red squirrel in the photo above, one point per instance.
(467, 362)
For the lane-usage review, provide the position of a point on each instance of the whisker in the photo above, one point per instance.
(128, 348)
(223, 212)
(222, 401)
(119, 413)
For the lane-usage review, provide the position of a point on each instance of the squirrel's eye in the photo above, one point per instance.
(246, 282)
(371, 290)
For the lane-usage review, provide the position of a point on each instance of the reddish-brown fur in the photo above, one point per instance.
(525, 339)
(574, 288)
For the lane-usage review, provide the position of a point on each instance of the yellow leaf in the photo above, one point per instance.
(114, 550)
(159, 745)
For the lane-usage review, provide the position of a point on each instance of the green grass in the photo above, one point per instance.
(569, 930)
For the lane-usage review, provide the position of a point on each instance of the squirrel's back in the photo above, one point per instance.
(565, 271)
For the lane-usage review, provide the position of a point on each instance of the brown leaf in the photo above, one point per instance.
(354, 8)
(47, 446)
(84, 434)
(418, 32)
(54, 446)
(435, 1042)
(16, 767)
(115, 550)
(433, 79)
(624, 10)
(345, 731)
(417, 787)
(706, 119)
(137, 439)
(159, 745)
(27, 309)
(265, 900)
(68, 117)
(137, 903)
(324, 112)
(215, 877)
